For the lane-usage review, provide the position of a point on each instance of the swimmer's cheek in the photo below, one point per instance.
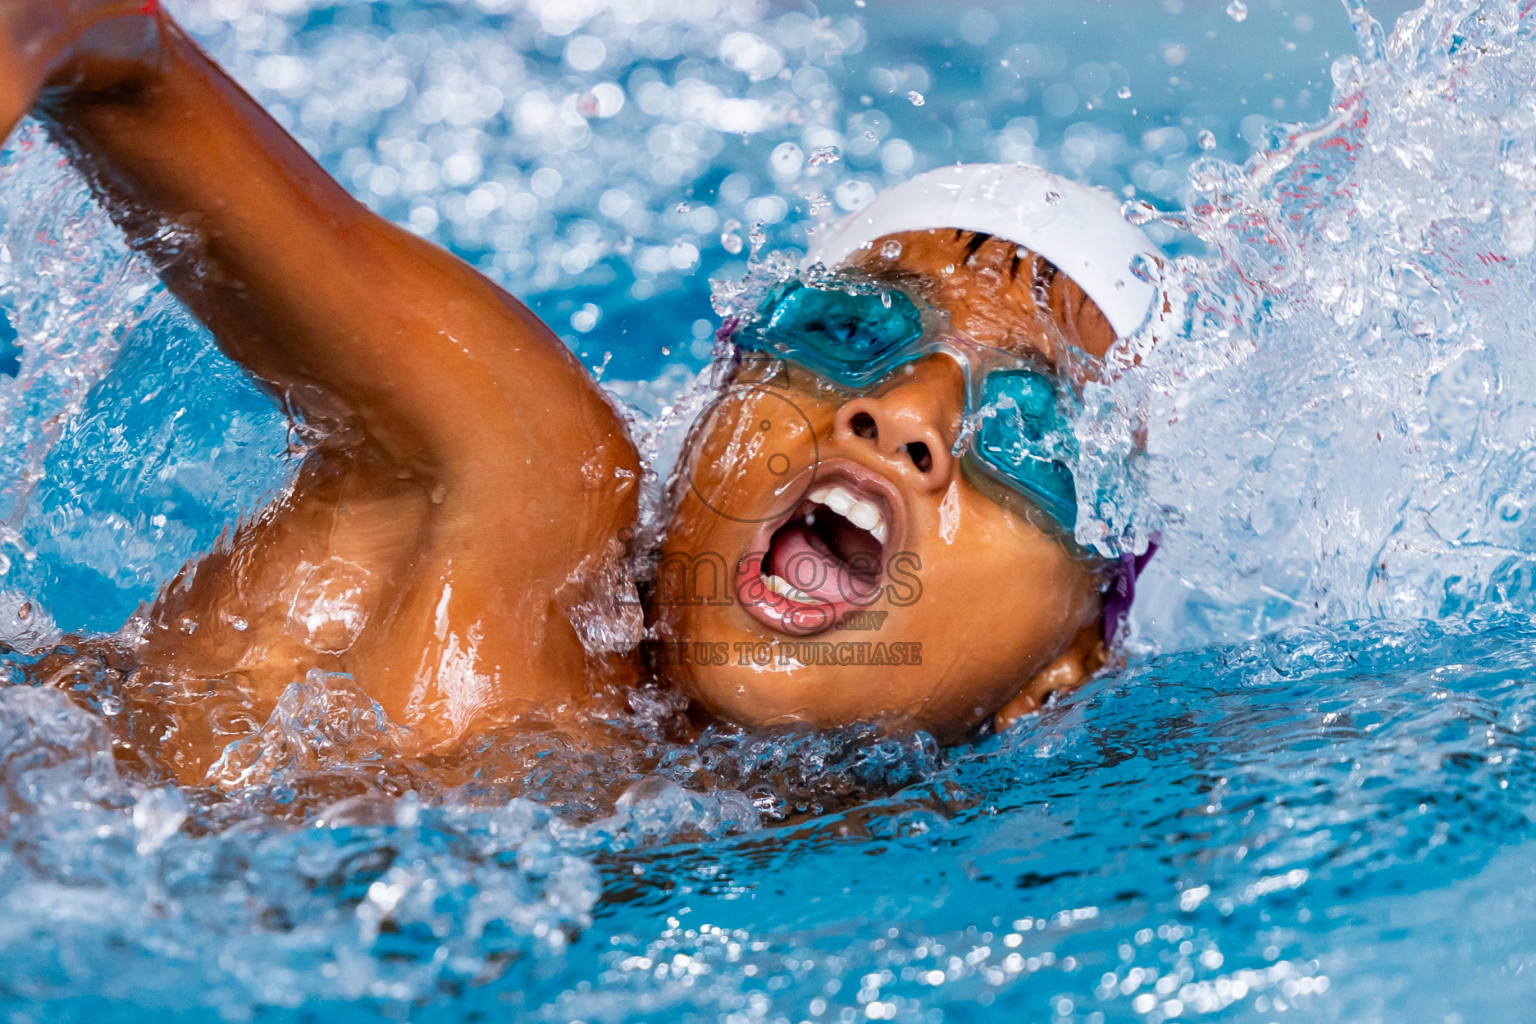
(1069, 671)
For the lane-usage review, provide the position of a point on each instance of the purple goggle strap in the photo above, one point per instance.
(1117, 602)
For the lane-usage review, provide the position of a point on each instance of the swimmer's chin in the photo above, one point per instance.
(770, 697)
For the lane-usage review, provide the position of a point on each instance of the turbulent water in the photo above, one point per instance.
(1339, 420)
(1306, 797)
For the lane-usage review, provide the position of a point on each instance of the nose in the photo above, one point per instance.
(911, 424)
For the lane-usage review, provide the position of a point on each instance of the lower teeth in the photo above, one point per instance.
(784, 589)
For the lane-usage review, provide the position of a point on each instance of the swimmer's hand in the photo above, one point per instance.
(38, 38)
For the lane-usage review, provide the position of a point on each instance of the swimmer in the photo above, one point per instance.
(475, 494)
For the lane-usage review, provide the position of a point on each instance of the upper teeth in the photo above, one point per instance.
(863, 514)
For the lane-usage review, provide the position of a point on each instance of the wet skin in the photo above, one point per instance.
(474, 481)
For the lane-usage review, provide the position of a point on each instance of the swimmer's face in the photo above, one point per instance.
(922, 602)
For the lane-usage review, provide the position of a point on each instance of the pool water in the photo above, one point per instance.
(1303, 798)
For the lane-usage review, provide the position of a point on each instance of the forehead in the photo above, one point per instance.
(990, 288)
(929, 252)
(993, 290)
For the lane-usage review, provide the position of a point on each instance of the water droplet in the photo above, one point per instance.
(1145, 268)
(786, 161)
(1124, 92)
(916, 98)
(1207, 139)
(158, 816)
(586, 318)
(1052, 198)
(1237, 10)
(730, 236)
(891, 249)
(1208, 175)
(1347, 73)
(1139, 212)
(825, 155)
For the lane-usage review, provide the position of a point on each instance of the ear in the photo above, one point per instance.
(1071, 669)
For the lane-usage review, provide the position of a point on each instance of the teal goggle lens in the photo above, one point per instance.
(851, 339)
(1022, 441)
(854, 339)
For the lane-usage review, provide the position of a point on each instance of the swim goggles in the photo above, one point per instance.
(1017, 440)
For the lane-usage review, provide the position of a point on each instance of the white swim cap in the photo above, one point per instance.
(1076, 227)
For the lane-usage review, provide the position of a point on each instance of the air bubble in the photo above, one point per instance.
(891, 249)
(1124, 92)
(1237, 10)
(916, 98)
(1052, 198)
(1207, 139)
(825, 155)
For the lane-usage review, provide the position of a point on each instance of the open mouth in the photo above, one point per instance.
(827, 557)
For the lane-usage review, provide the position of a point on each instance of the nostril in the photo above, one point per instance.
(921, 457)
(863, 424)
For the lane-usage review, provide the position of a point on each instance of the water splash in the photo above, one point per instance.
(1337, 406)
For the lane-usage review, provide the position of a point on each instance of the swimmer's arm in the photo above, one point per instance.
(341, 312)
(26, 68)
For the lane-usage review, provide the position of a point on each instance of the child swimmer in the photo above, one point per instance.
(475, 490)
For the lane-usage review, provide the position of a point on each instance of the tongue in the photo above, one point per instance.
(803, 560)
